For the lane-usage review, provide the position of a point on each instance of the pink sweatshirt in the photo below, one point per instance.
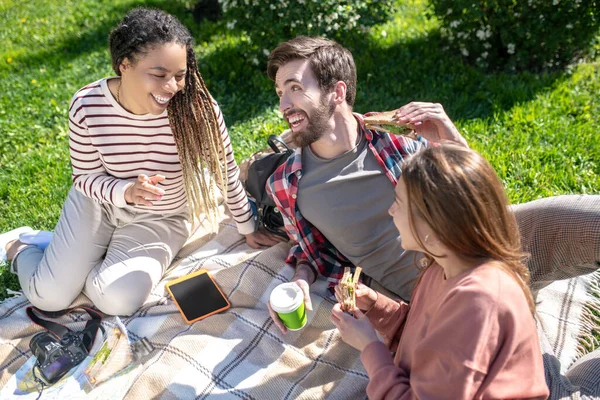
(469, 337)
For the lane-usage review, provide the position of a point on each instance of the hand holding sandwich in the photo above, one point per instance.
(355, 330)
(365, 297)
(430, 121)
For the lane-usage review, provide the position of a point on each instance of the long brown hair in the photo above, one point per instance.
(191, 114)
(458, 194)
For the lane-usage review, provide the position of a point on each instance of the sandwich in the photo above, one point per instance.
(347, 290)
(386, 122)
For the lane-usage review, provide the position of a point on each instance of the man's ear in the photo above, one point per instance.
(125, 64)
(340, 89)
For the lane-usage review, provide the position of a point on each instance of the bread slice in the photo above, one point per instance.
(348, 285)
(385, 122)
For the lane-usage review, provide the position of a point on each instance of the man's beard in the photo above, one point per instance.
(317, 124)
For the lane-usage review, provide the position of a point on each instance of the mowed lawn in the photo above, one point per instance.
(539, 131)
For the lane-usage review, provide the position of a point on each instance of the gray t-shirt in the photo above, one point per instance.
(347, 198)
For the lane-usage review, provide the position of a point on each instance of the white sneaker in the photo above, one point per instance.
(8, 237)
(41, 239)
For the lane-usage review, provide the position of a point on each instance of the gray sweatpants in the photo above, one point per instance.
(115, 255)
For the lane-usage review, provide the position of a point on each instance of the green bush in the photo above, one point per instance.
(267, 22)
(531, 35)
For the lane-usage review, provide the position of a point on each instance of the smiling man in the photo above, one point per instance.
(335, 190)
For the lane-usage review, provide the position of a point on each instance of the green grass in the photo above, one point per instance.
(539, 131)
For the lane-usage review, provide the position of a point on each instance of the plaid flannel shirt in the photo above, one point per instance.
(311, 246)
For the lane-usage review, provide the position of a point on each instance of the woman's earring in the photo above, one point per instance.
(426, 238)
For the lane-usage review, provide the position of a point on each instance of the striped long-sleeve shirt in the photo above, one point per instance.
(110, 147)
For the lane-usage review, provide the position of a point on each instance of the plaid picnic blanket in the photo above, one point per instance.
(567, 315)
(562, 234)
(241, 354)
(237, 354)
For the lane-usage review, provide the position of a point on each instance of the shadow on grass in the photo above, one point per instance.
(419, 70)
(92, 37)
(388, 77)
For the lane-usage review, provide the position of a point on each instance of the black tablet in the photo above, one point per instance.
(197, 296)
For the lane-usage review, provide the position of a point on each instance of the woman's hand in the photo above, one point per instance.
(144, 190)
(430, 121)
(365, 296)
(357, 331)
(260, 238)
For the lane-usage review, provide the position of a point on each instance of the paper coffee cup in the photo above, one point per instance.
(287, 300)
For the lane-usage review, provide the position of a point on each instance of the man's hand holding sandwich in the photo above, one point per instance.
(428, 120)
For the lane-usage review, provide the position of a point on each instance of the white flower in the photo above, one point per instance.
(266, 52)
(464, 52)
(336, 26)
(449, 11)
(231, 24)
(255, 61)
(383, 33)
(486, 45)
(569, 26)
(454, 23)
(554, 2)
(272, 6)
(510, 48)
(484, 54)
(480, 34)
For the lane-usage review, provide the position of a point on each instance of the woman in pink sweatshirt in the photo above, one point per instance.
(469, 331)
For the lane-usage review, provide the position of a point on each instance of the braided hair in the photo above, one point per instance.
(192, 117)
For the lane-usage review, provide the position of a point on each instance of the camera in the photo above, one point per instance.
(56, 357)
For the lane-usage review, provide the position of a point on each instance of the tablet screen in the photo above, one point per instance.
(198, 296)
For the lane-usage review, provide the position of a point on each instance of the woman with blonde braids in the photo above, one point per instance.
(469, 331)
(139, 143)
